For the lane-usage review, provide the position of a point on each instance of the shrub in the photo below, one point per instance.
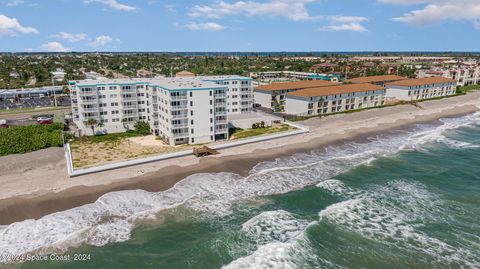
(23, 139)
(142, 128)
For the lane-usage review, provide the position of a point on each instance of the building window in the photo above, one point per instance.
(191, 94)
(192, 131)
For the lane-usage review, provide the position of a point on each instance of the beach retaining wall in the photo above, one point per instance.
(79, 172)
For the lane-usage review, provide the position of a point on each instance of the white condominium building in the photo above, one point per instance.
(464, 75)
(332, 99)
(239, 92)
(182, 110)
(420, 88)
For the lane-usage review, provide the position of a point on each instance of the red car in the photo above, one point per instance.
(45, 120)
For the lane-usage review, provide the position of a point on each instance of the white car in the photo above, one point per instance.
(43, 119)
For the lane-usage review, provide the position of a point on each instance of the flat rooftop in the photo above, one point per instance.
(421, 81)
(173, 83)
(340, 89)
(224, 77)
(303, 84)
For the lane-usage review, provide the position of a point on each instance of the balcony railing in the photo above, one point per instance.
(179, 98)
(185, 134)
(221, 130)
(88, 93)
(180, 116)
(182, 124)
(88, 101)
(220, 112)
(128, 90)
(181, 107)
(221, 121)
(132, 98)
(220, 95)
(87, 110)
(130, 106)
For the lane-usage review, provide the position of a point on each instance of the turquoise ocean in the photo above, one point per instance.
(409, 198)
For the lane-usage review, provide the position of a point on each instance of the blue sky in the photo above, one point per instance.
(232, 25)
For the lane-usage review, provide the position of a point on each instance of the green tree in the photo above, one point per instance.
(92, 123)
(142, 128)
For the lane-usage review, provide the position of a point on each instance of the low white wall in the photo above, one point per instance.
(73, 173)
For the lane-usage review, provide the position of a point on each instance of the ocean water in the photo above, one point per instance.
(406, 199)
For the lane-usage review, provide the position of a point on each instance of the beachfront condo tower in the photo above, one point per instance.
(181, 109)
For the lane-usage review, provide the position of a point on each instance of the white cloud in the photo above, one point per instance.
(113, 4)
(11, 27)
(208, 26)
(171, 8)
(100, 41)
(436, 11)
(15, 3)
(345, 23)
(292, 9)
(55, 47)
(71, 37)
(347, 19)
(352, 27)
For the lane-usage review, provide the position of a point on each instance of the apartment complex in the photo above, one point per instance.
(294, 75)
(377, 80)
(182, 110)
(421, 88)
(332, 99)
(464, 75)
(273, 95)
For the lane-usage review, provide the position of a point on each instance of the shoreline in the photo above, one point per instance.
(239, 160)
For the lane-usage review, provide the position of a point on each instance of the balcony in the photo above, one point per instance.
(132, 98)
(133, 90)
(130, 107)
(180, 116)
(181, 107)
(180, 135)
(89, 110)
(220, 112)
(182, 124)
(88, 93)
(179, 98)
(221, 130)
(220, 95)
(221, 121)
(88, 101)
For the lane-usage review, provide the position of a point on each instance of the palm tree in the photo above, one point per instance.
(92, 122)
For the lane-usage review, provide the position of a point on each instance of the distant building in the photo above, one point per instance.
(184, 74)
(377, 80)
(293, 75)
(58, 75)
(333, 99)
(273, 95)
(93, 75)
(464, 75)
(420, 88)
(14, 74)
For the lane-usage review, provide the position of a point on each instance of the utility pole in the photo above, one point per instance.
(54, 93)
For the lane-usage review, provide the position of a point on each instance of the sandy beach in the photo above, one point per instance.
(36, 184)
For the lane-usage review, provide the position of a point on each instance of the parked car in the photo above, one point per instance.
(44, 120)
(3, 124)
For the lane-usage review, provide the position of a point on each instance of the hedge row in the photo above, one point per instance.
(23, 139)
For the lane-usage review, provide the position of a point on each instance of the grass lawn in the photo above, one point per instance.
(469, 88)
(241, 133)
